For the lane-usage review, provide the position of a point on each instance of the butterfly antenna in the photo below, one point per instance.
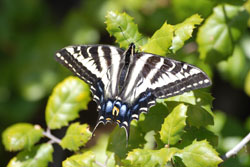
(138, 41)
(127, 38)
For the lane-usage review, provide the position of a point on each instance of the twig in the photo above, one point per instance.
(237, 148)
(52, 138)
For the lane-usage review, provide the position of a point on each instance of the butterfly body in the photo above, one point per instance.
(126, 83)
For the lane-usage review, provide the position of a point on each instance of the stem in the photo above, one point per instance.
(237, 148)
(52, 138)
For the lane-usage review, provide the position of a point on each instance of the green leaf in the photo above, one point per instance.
(193, 133)
(177, 161)
(183, 31)
(80, 160)
(76, 136)
(198, 116)
(199, 107)
(148, 158)
(40, 155)
(67, 99)
(247, 84)
(199, 153)
(173, 126)
(234, 69)
(154, 118)
(128, 32)
(221, 30)
(161, 41)
(21, 135)
(117, 141)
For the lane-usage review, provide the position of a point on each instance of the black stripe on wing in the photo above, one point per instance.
(174, 77)
(67, 59)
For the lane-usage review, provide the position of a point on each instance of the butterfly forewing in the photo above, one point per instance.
(92, 63)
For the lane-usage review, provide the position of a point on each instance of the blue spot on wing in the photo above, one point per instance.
(109, 107)
(144, 98)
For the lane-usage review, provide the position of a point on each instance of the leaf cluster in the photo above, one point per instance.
(63, 106)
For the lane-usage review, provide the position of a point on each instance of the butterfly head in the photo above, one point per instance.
(131, 47)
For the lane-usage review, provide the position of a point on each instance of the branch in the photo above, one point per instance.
(237, 148)
(52, 138)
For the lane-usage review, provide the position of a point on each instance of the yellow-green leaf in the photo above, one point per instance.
(173, 126)
(76, 136)
(21, 135)
(128, 31)
(200, 153)
(184, 30)
(160, 42)
(86, 159)
(148, 158)
(38, 156)
(67, 99)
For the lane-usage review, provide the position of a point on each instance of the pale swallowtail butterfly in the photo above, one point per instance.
(127, 83)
